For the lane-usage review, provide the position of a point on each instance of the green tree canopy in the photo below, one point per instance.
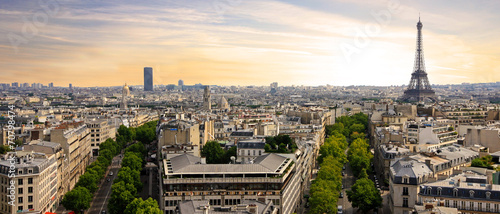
(213, 152)
(138, 206)
(121, 195)
(323, 197)
(132, 161)
(130, 176)
(77, 199)
(364, 195)
(89, 181)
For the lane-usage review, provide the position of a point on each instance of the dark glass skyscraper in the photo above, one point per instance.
(148, 79)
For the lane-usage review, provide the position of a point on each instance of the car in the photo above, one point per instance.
(343, 174)
(108, 180)
(307, 205)
(110, 173)
(341, 195)
(103, 212)
(343, 167)
(342, 186)
(339, 209)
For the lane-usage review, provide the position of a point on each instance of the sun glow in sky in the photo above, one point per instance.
(246, 42)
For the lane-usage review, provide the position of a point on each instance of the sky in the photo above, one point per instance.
(247, 42)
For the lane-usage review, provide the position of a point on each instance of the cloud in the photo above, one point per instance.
(249, 42)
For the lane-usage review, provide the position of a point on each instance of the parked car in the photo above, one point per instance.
(339, 209)
(110, 173)
(341, 195)
(343, 174)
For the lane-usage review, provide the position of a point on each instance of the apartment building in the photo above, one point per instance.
(100, 131)
(35, 183)
(469, 192)
(404, 184)
(74, 138)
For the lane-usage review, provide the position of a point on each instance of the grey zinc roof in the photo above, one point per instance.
(189, 164)
(410, 168)
(252, 144)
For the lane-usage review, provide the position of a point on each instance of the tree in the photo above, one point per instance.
(364, 195)
(149, 206)
(267, 148)
(89, 181)
(77, 199)
(130, 176)
(359, 128)
(323, 199)
(121, 195)
(132, 161)
(4, 149)
(213, 152)
(230, 152)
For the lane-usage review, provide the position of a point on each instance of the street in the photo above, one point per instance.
(347, 180)
(101, 198)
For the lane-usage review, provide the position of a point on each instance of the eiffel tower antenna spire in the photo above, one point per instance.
(419, 88)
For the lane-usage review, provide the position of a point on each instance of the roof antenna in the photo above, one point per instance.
(418, 16)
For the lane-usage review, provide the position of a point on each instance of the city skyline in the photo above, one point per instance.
(235, 42)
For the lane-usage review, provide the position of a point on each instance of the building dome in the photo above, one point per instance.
(126, 90)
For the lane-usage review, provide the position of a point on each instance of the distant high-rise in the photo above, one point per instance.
(51, 85)
(181, 83)
(419, 88)
(148, 79)
(70, 86)
(274, 87)
(207, 99)
(15, 84)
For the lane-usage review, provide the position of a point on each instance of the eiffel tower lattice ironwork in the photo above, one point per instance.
(419, 88)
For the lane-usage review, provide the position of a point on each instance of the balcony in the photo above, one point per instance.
(222, 180)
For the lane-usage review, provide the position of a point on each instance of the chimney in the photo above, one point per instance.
(489, 177)
(428, 163)
(253, 209)
(203, 160)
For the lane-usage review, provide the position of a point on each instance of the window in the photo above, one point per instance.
(20, 181)
(253, 152)
(30, 206)
(19, 190)
(455, 192)
(405, 190)
(471, 193)
(406, 180)
(471, 205)
(439, 190)
(455, 204)
(30, 198)
(488, 194)
(260, 152)
(488, 207)
(405, 202)
(447, 203)
(30, 180)
(20, 199)
(20, 208)
(480, 206)
(248, 152)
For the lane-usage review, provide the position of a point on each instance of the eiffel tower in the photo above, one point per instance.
(419, 88)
